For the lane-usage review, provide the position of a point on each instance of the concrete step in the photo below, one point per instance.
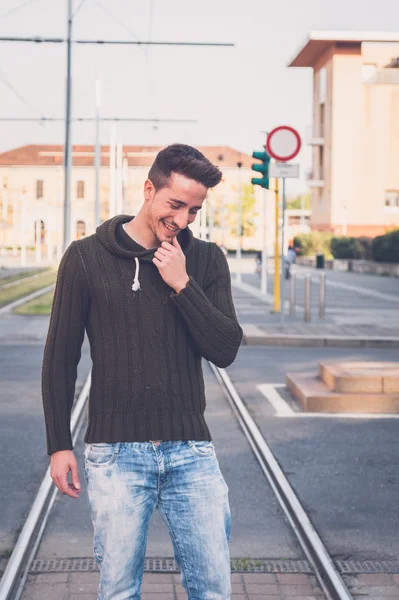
(314, 396)
(361, 377)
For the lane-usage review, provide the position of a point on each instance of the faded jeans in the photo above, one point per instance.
(183, 481)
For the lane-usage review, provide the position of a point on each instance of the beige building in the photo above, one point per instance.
(355, 131)
(32, 191)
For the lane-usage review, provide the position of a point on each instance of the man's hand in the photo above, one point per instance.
(171, 263)
(61, 463)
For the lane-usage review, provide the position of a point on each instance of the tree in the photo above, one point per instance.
(248, 214)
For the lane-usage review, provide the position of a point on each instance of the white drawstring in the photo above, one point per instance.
(136, 282)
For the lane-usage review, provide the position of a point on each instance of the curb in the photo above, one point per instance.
(320, 341)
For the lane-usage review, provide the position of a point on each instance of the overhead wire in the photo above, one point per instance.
(16, 8)
(116, 19)
(11, 87)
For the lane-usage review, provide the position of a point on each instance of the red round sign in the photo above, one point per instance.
(283, 143)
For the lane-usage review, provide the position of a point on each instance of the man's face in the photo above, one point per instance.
(173, 207)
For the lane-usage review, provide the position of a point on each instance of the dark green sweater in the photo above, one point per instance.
(146, 344)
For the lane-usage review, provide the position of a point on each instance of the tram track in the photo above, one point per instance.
(23, 555)
(324, 569)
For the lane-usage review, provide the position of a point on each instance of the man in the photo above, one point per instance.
(289, 259)
(154, 300)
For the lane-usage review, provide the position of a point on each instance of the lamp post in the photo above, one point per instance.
(239, 224)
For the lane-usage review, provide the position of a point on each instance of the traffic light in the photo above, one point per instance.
(261, 168)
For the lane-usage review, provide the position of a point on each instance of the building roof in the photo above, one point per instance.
(137, 156)
(319, 41)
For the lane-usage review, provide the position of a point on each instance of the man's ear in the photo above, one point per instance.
(149, 190)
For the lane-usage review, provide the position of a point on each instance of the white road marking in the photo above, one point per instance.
(362, 290)
(283, 409)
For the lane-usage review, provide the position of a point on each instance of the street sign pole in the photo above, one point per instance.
(68, 140)
(283, 144)
(264, 265)
(282, 286)
(276, 249)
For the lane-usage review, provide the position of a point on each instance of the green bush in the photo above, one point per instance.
(385, 248)
(310, 244)
(351, 247)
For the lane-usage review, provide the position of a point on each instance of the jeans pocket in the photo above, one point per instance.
(101, 454)
(201, 447)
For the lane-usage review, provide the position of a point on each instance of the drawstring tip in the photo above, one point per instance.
(136, 286)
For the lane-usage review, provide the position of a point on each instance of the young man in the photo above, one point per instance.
(154, 300)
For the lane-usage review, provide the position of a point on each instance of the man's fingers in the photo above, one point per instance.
(75, 475)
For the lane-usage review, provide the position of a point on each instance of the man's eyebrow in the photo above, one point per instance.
(183, 203)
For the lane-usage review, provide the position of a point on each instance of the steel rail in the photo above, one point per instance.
(329, 578)
(16, 572)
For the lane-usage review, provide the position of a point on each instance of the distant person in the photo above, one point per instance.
(258, 261)
(289, 259)
(223, 249)
(154, 300)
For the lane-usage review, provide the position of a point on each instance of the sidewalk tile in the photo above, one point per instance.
(81, 588)
(44, 591)
(376, 579)
(378, 591)
(157, 588)
(259, 578)
(52, 578)
(151, 596)
(297, 590)
(293, 579)
(159, 578)
(263, 597)
(84, 577)
(258, 588)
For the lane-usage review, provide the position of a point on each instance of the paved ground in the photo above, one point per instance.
(245, 586)
(343, 470)
(357, 312)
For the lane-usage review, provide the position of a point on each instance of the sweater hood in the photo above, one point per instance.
(106, 233)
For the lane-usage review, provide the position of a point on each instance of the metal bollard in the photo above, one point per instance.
(292, 294)
(322, 296)
(306, 314)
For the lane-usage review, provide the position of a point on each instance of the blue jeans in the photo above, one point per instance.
(183, 481)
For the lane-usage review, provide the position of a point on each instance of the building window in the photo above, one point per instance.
(40, 228)
(369, 73)
(80, 229)
(39, 188)
(392, 198)
(322, 85)
(80, 189)
(321, 163)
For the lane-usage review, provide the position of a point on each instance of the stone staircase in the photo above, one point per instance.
(355, 387)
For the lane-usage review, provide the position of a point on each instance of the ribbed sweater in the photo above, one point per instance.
(146, 344)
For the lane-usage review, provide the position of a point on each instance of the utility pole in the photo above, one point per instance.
(68, 139)
(68, 109)
(97, 154)
(239, 224)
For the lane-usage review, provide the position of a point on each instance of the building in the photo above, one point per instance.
(355, 132)
(32, 193)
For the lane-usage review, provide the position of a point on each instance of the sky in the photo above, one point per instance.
(234, 93)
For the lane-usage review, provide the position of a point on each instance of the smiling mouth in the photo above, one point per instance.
(169, 228)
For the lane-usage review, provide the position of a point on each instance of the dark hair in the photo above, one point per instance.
(185, 160)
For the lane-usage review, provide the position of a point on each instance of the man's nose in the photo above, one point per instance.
(181, 221)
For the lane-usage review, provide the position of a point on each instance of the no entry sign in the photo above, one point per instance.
(283, 143)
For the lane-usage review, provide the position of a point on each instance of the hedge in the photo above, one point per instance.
(383, 248)
(312, 243)
(352, 247)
